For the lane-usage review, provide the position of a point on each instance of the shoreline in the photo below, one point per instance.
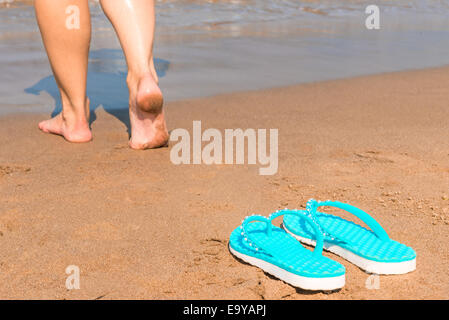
(141, 227)
(218, 95)
(247, 55)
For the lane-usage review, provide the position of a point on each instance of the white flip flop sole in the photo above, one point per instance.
(369, 266)
(307, 283)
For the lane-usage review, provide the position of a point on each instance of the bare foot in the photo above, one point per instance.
(77, 131)
(148, 127)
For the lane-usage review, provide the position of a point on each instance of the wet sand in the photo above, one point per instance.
(140, 227)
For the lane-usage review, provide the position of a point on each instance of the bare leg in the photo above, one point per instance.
(68, 50)
(134, 22)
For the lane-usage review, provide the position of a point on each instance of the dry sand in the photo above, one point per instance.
(140, 227)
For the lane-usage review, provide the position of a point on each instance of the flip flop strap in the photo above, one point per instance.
(312, 206)
(268, 221)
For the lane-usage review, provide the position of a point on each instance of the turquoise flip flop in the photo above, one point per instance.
(258, 242)
(371, 250)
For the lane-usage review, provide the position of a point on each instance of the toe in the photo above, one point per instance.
(136, 146)
(131, 145)
(41, 126)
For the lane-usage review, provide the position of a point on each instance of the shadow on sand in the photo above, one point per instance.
(106, 85)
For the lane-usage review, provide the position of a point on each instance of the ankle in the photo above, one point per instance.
(134, 77)
(75, 120)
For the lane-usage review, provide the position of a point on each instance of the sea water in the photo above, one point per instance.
(208, 47)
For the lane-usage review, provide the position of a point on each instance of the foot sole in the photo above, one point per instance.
(149, 96)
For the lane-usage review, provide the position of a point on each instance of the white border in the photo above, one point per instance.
(307, 283)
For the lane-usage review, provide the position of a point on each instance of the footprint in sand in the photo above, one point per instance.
(99, 231)
(201, 206)
(7, 170)
(213, 250)
(401, 159)
(10, 221)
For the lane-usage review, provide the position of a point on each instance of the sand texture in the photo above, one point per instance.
(140, 227)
